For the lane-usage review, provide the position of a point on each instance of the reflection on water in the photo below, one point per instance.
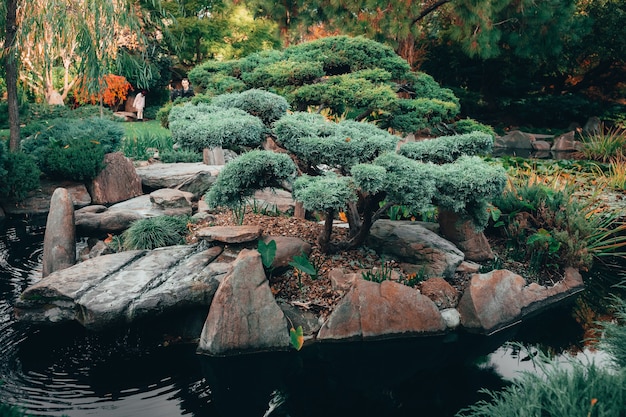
(68, 370)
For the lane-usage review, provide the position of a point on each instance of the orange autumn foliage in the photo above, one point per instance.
(114, 90)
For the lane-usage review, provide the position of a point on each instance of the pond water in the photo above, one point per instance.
(66, 370)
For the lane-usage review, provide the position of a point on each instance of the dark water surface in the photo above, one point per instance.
(67, 370)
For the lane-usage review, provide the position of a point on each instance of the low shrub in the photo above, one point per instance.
(207, 126)
(155, 232)
(170, 156)
(105, 133)
(21, 175)
(78, 160)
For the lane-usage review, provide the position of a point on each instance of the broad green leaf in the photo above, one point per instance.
(302, 263)
(297, 337)
(267, 251)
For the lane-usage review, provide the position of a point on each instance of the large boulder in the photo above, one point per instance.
(515, 139)
(244, 316)
(501, 298)
(416, 247)
(120, 288)
(118, 181)
(59, 243)
(374, 311)
(567, 142)
(195, 178)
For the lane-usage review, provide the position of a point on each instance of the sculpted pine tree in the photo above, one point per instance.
(347, 165)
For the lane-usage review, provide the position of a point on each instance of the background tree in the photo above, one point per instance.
(11, 70)
(345, 77)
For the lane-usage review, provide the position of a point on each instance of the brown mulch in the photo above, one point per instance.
(317, 295)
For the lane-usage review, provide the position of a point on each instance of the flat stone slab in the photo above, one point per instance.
(118, 288)
(229, 234)
(195, 177)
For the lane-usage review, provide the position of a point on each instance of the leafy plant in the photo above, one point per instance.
(301, 262)
(297, 337)
(21, 175)
(378, 274)
(268, 253)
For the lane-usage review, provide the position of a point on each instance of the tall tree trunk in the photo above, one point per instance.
(10, 66)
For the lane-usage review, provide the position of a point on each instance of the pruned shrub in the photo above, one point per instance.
(251, 171)
(77, 160)
(170, 156)
(265, 105)
(446, 149)
(412, 115)
(467, 186)
(314, 140)
(283, 74)
(155, 232)
(206, 126)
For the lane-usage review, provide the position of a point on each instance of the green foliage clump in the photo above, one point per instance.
(283, 74)
(467, 186)
(343, 54)
(19, 174)
(251, 171)
(569, 232)
(324, 193)
(446, 149)
(155, 232)
(412, 115)
(170, 156)
(558, 391)
(469, 125)
(346, 91)
(341, 145)
(267, 106)
(408, 182)
(202, 126)
(78, 160)
(102, 132)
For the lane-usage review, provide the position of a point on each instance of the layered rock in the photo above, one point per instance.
(123, 287)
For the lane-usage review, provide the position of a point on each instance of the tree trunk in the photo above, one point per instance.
(10, 65)
(324, 239)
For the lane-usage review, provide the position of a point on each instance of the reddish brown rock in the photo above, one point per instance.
(492, 301)
(118, 181)
(464, 235)
(441, 292)
(244, 315)
(372, 311)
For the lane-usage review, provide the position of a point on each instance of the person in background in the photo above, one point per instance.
(185, 91)
(139, 103)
